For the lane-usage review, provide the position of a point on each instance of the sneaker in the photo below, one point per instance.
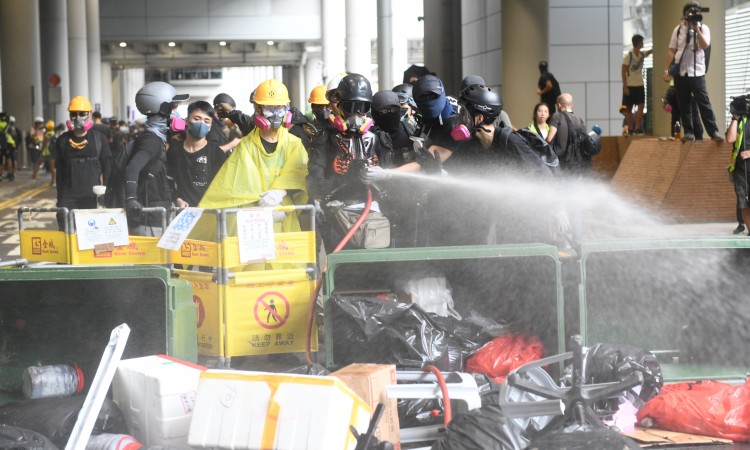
(717, 137)
(639, 132)
(687, 137)
(740, 228)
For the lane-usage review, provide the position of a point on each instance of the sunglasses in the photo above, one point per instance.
(74, 114)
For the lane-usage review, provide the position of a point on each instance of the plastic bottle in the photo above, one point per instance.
(677, 131)
(108, 441)
(59, 380)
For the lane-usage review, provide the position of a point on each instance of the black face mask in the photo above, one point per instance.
(388, 122)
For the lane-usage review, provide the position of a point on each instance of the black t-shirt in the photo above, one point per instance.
(193, 172)
(78, 169)
(550, 97)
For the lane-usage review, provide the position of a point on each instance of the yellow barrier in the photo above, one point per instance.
(44, 246)
(197, 253)
(140, 250)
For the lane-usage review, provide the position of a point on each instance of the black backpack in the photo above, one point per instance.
(578, 138)
(536, 143)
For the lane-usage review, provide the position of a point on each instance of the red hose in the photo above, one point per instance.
(342, 244)
(447, 413)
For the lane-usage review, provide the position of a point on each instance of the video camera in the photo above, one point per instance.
(740, 106)
(694, 13)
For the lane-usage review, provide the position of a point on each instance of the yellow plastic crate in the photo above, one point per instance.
(141, 250)
(44, 246)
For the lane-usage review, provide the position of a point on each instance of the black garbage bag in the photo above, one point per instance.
(56, 417)
(369, 330)
(605, 363)
(18, 438)
(489, 389)
(478, 429)
(579, 439)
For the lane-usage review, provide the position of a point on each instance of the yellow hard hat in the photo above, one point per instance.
(271, 93)
(50, 125)
(318, 96)
(79, 103)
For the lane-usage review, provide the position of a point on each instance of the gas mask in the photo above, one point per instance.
(198, 130)
(355, 119)
(79, 121)
(462, 126)
(273, 117)
(176, 123)
(321, 113)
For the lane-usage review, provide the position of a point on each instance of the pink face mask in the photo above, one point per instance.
(85, 126)
(460, 133)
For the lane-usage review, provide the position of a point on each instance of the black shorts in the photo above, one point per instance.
(637, 96)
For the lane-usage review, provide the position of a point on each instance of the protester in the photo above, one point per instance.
(573, 160)
(548, 87)
(737, 134)
(34, 143)
(539, 118)
(7, 146)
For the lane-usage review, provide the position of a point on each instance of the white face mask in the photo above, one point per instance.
(124, 130)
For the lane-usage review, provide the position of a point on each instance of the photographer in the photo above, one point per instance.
(737, 134)
(687, 55)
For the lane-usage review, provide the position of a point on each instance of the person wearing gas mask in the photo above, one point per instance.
(269, 166)
(82, 160)
(193, 162)
(146, 183)
(337, 163)
(226, 109)
(687, 50)
(502, 120)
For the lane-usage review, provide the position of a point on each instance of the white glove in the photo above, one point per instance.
(278, 216)
(271, 197)
(374, 174)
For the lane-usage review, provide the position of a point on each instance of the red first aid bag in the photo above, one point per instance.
(710, 408)
(500, 356)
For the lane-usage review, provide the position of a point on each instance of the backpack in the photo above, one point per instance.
(578, 138)
(535, 143)
(115, 194)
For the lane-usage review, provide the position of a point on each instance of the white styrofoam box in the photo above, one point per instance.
(242, 410)
(156, 395)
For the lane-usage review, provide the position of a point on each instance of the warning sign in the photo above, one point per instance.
(271, 310)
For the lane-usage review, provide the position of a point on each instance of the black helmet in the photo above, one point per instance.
(542, 66)
(483, 100)
(354, 87)
(405, 89)
(224, 98)
(383, 99)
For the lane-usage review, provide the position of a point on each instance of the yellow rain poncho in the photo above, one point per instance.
(250, 171)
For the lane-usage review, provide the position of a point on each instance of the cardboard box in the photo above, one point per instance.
(370, 382)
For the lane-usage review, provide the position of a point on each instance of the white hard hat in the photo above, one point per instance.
(38, 119)
(12, 119)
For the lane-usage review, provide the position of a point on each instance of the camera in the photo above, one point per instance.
(694, 14)
(740, 106)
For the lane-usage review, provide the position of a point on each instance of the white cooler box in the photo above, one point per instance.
(156, 395)
(242, 410)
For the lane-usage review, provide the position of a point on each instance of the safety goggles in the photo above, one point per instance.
(274, 110)
(74, 114)
(357, 107)
(403, 98)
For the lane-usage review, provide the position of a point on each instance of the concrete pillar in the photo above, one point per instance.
(385, 45)
(333, 38)
(666, 16)
(107, 108)
(77, 48)
(292, 78)
(54, 37)
(313, 73)
(442, 41)
(22, 68)
(94, 53)
(131, 80)
(358, 50)
(520, 57)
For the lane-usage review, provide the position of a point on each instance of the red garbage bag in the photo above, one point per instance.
(500, 356)
(710, 408)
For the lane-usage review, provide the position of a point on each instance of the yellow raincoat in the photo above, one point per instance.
(250, 171)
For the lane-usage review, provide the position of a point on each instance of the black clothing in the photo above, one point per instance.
(104, 130)
(550, 97)
(79, 170)
(146, 178)
(401, 143)
(331, 159)
(216, 135)
(193, 172)
(572, 160)
(697, 87)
